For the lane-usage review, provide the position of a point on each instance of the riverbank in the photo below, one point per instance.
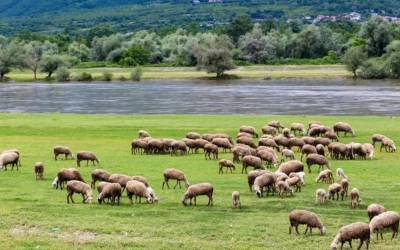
(168, 73)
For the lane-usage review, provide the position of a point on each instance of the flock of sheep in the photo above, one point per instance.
(274, 149)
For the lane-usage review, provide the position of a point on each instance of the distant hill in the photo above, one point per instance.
(125, 15)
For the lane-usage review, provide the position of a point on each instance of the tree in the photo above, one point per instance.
(10, 56)
(214, 54)
(353, 59)
(393, 64)
(33, 55)
(308, 43)
(376, 32)
(50, 63)
(240, 26)
(135, 55)
(79, 50)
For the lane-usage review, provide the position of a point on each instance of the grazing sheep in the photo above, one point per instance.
(179, 146)
(174, 174)
(312, 124)
(223, 143)
(389, 145)
(282, 140)
(110, 191)
(297, 127)
(246, 141)
(318, 130)
(156, 146)
(143, 134)
(340, 173)
(209, 149)
(316, 159)
(138, 189)
(276, 124)
(287, 154)
(39, 170)
(9, 158)
(269, 130)
(283, 188)
(322, 140)
(286, 133)
(334, 189)
(249, 129)
(86, 156)
(308, 140)
(251, 161)
(321, 196)
(358, 230)
(279, 176)
(269, 157)
(343, 127)
(355, 197)
(193, 135)
(264, 181)
(236, 200)
(290, 167)
(139, 146)
(296, 142)
(377, 138)
(374, 210)
(225, 164)
(332, 135)
(344, 183)
(304, 217)
(295, 182)
(301, 175)
(307, 149)
(99, 175)
(62, 150)
(325, 176)
(338, 151)
(252, 175)
(67, 174)
(268, 143)
(389, 219)
(369, 149)
(55, 182)
(200, 143)
(191, 144)
(320, 149)
(244, 134)
(241, 151)
(196, 190)
(120, 179)
(80, 188)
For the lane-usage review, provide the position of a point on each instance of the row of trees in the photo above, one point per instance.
(372, 50)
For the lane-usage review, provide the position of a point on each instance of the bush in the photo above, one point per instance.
(107, 76)
(84, 77)
(136, 74)
(373, 69)
(63, 74)
(122, 78)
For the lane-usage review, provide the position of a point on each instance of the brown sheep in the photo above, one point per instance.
(343, 127)
(334, 189)
(249, 129)
(86, 156)
(286, 133)
(389, 219)
(200, 143)
(179, 146)
(246, 141)
(322, 140)
(252, 175)
(338, 150)
(297, 128)
(236, 199)
(291, 167)
(39, 170)
(225, 164)
(138, 189)
(296, 142)
(283, 188)
(251, 161)
(223, 143)
(268, 130)
(269, 157)
(67, 174)
(355, 197)
(264, 181)
(240, 151)
(283, 141)
(143, 134)
(110, 191)
(156, 146)
(331, 135)
(120, 179)
(374, 210)
(307, 149)
(320, 149)
(287, 154)
(99, 175)
(62, 150)
(316, 159)
(80, 188)
(268, 143)
(325, 176)
(344, 184)
(295, 182)
(388, 145)
(377, 138)
(304, 217)
(244, 134)
(276, 124)
(9, 158)
(358, 230)
(174, 174)
(193, 135)
(318, 131)
(308, 140)
(191, 144)
(196, 190)
(209, 149)
(139, 146)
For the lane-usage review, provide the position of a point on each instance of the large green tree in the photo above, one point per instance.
(354, 59)
(10, 57)
(377, 34)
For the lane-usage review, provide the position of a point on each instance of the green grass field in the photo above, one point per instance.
(247, 72)
(35, 216)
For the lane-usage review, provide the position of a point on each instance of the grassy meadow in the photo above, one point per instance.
(35, 216)
(245, 72)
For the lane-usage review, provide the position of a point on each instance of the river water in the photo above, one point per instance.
(320, 96)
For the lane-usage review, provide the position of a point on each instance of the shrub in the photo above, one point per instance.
(122, 78)
(136, 74)
(63, 74)
(373, 69)
(84, 77)
(107, 76)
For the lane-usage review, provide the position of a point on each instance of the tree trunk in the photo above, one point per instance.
(34, 75)
(1, 77)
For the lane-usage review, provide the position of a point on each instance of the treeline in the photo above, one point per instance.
(370, 49)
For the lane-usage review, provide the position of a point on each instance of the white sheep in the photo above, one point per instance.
(321, 196)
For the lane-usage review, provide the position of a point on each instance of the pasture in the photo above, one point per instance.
(34, 215)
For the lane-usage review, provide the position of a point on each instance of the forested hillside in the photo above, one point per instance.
(127, 15)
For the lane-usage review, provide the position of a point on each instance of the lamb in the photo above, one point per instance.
(39, 170)
(62, 150)
(325, 176)
(111, 191)
(304, 217)
(253, 175)
(236, 200)
(179, 146)
(86, 156)
(287, 154)
(225, 164)
(99, 175)
(307, 149)
(269, 130)
(389, 219)
(143, 134)
(340, 173)
(276, 124)
(196, 190)
(80, 188)
(355, 197)
(344, 183)
(269, 157)
(343, 127)
(246, 141)
(193, 135)
(297, 127)
(316, 159)
(290, 167)
(374, 210)
(266, 180)
(9, 158)
(295, 182)
(358, 230)
(377, 138)
(321, 196)
(209, 149)
(251, 161)
(138, 189)
(334, 189)
(174, 174)
(249, 129)
(320, 149)
(283, 188)
(67, 174)
(389, 145)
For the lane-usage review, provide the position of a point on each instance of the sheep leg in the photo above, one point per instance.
(381, 232)
(130, 198)
(83, 196)
(297, 229)
(177, 181)
(306, 230)
(210, 200)
(195, 201)
(361, 243)
(55, 157)
(350, 244)
(180, 187)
